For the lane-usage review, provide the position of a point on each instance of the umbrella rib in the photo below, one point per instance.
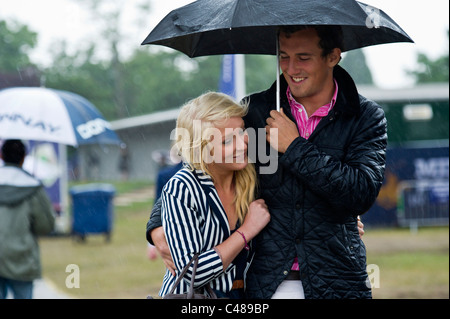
(235, 12)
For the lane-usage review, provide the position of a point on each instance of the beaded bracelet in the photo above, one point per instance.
(246, 247)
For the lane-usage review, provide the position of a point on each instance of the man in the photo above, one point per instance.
(331, 145)
(25, 213)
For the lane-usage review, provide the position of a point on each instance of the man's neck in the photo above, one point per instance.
(312, 104)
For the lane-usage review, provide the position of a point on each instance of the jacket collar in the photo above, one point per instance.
(348, 97)
(16, 185)
(213, 200)
(15, 176)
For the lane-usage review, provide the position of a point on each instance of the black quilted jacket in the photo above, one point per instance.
(319, 188)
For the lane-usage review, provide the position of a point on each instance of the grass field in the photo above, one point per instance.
(411, 265)
(118, 269)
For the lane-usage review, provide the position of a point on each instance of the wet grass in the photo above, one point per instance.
(116, 269)
(411, 265)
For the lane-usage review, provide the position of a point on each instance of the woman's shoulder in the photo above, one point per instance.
(184, 180)
(184, 174)
(186, 188)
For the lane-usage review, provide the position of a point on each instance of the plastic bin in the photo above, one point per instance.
(92, 210)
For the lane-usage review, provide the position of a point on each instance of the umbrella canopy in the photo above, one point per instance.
(42, 114)
(210, 27)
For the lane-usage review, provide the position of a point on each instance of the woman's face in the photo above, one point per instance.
(228, 145)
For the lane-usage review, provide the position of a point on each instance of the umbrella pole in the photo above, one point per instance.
(278, 73)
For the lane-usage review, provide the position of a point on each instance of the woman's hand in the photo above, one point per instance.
(257, 218)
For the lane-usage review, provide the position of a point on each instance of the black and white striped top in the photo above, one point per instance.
(194, 224)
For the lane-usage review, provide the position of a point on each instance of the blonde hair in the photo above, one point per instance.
(194, 122)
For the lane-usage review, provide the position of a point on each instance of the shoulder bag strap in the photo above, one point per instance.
(183, 272)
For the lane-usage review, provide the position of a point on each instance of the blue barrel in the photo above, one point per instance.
(92, 209)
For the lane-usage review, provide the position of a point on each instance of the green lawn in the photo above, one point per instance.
(118, 269)
(410, 265)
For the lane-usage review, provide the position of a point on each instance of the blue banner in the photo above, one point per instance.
(227, 75)
(232, 76)
(417, 164)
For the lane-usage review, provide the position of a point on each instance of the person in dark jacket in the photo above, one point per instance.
(25, 213)
(331, 145)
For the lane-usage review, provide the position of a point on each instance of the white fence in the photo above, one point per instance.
(423, 203)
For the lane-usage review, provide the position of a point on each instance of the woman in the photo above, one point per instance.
(209, 206)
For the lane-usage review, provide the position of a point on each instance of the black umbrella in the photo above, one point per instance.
(211, 27)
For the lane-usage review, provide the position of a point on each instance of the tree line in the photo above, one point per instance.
(152, 79)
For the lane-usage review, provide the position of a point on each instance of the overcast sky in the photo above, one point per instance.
(426, 22)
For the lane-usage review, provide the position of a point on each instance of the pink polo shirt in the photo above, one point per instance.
(307, 125)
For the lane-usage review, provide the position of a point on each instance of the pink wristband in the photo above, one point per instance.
(246, 247)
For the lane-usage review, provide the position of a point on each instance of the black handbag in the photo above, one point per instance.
(203, 293)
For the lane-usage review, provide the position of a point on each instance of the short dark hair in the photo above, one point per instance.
(331, 36)
(13, 152)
